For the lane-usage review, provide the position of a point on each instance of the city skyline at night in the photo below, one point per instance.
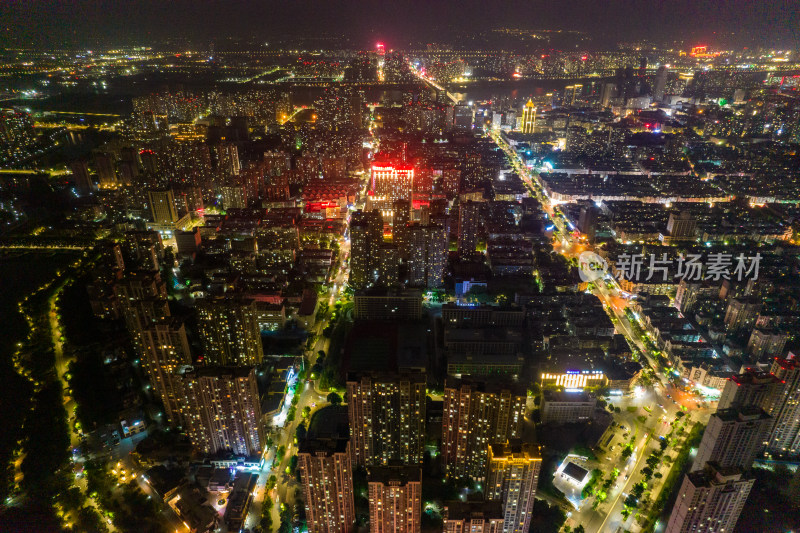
(400, 267)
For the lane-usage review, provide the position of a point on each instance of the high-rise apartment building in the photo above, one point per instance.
(427, 255)
(733, 437)
(709, 501)
(162, 206)
(366, 237)
(388, 264)
(142, 297)
(463, 117)
(587, 222)
(105, 165)
(681, 226)
(476, 413)
(324, 461)
(229, 330)
(401, 215)
(220, 409)
(80, 173)
(741, 313)
(393, 181)
(473, 517)
(395, 499)
(753, 387)
(387, 417)
(660, 83)
(469, 225)
(166, 350)
(513, 476)
(785, 437)
(766, 343)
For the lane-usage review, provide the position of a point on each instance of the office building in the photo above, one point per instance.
(387, 417)
(220, 409)
(162, 206)
(392, 180)
(785, 436)
(481, 316)
(473, 517)
(395, 499)
(326, 472)
(476, 413)
(228, 327)
(387, 305)
(427, 255)
(366, 237)
(567, 407)
(709, 501)
(733, 437)
(513, 476)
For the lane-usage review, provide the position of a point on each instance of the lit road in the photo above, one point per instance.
(430, 82)
(287, 487)
(658, 403)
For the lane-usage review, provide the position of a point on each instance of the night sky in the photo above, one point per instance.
(100, 22)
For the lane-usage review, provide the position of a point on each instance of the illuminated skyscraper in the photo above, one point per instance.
(528, 117)
(327, 473)
(220, 409)
(709, 501)
(229, 330)
(474, 415)
(513, 477)
(387, 418)
(395, 499)
(394, 181)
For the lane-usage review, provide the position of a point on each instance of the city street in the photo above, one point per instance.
(309, 396)
(658, 403)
